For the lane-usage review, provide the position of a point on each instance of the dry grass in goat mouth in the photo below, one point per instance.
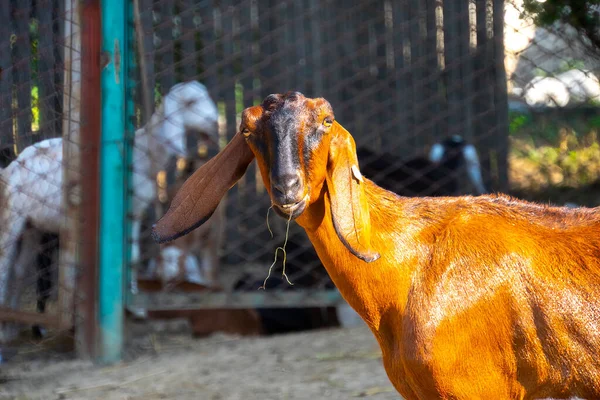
(282, 248)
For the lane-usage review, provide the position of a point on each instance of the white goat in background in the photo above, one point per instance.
(31, 186)
(571, 87)
(193, 258)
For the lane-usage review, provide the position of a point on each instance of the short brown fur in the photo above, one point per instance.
(472, 297)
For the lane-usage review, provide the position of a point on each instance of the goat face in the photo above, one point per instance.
(307, 161)
(289, 136)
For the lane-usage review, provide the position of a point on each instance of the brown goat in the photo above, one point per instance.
(469, 297)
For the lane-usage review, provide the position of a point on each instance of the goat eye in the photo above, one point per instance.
(245, 132)
(327, 122)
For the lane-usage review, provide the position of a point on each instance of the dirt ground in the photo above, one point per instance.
(164, 362)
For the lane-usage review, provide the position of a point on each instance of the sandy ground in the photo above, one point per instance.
(168, 364)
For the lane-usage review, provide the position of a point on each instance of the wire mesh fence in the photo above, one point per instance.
(443, 98)
(39, 124)
(552, 70)
(420, 85)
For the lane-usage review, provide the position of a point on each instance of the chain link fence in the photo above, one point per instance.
(39, 124)
(443, 98)
(554, 93)
(420, 85)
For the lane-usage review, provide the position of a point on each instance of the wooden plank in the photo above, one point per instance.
(227, 93)
(421, 71)
(500, 99)
(248, 48)
(166, 72)
(382, 44)
(267, 14)
(6, 82)
(347, 65)
(86, 323)
(187, 40)
(69, 233)
(145, 9)
(466, 70)
(483, 101)
(254, 34)
(22, 61)
(316, 45)
(433, 86)
(296, 21)
(146, 68)
(209, 73)
(282, 36)
(47, 91)
(59, 72)
(29, 317)
(165, 52)
(404, 88)
(362, 80)
(330, 56)
(210, 300)
(452, 53)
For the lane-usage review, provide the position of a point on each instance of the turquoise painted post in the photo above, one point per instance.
(113, 173)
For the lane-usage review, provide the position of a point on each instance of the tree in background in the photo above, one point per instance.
(583, 15)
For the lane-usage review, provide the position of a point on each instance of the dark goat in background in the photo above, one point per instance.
(439, 174)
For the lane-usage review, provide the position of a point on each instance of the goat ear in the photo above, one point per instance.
(345, 185)
(201, 193)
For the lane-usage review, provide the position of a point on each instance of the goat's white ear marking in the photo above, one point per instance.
(356, 173)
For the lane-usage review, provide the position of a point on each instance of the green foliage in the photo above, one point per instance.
(540, 72)
(517, 121)
(554, 149)
(567, 65)
(35, 109)
(595, 121)
(239, 98)
(577, 13)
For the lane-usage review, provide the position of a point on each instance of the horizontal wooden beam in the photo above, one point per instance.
(29, 317)
(256, 299)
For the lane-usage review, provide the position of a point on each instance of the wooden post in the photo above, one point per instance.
(404, 72)
(433, 72)
(147, 95)
(165, 52)
(48, 95)
(187, 59)
(69, 235)
(228, 95)
(316, 44)
(500, 98)
(6, 82)
(86, 323)
(483, 101)
(22, 72)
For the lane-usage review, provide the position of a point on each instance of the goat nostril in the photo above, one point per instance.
(277, 189)
(287, 185)
(293, 183)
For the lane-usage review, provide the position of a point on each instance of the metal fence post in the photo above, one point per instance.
(113, 173)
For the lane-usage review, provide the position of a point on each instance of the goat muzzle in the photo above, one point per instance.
(292, 209)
